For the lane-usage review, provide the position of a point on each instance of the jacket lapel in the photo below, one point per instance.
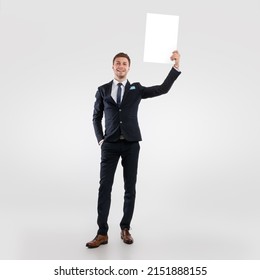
(127, 87)
(108, 89)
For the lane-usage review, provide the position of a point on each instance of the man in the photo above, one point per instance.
(119, 101)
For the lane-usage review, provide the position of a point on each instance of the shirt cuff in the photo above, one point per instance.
(177, 69)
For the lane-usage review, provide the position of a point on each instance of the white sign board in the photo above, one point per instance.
(161, 36)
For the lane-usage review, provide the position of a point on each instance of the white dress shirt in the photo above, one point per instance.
(114, 89)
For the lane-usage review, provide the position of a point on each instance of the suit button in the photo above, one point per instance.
(120, 110)
(121, 122)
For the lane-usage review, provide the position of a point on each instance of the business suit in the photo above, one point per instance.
(121, 139)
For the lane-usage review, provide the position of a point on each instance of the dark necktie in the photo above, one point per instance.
(119, 92)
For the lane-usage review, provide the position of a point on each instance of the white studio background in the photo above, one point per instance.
(198, 184)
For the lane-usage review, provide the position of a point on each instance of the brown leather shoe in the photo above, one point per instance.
(97, 241)
(126, 236)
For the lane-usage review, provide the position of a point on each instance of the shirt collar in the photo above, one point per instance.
(116, 82)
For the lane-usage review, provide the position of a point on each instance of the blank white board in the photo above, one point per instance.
(161, 36)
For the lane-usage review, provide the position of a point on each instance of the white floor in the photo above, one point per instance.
(62, 235)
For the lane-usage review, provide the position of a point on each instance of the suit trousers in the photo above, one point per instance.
(111, 152)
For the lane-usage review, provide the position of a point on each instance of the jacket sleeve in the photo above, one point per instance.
(148, 92)
(98, 116)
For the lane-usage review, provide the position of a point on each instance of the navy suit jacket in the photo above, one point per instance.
(122, 120)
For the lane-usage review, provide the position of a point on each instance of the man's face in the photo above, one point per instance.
(121, 68)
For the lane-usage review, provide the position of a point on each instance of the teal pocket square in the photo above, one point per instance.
(132, 87)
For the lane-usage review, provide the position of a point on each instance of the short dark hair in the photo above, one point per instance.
(121, 54)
